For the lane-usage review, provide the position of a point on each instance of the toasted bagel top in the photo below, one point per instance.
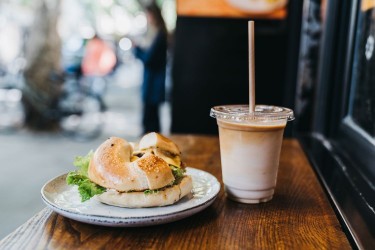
(110, 167)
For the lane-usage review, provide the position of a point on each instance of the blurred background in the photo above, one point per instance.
(50, 111)
(42, 46)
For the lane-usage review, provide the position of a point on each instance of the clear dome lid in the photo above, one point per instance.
(239, 113)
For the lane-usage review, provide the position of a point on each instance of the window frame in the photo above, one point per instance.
(344, 132)
(340, 155)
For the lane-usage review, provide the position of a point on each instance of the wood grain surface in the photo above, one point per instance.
(298, 217)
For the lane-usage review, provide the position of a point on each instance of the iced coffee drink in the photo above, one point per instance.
(250, 146)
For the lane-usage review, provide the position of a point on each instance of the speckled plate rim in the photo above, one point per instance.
(207, 184)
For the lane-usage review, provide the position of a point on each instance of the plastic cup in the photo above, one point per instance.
(250, 145)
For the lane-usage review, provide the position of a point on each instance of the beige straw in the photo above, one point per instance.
(251, 67)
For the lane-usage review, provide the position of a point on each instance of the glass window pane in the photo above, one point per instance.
(362, 104)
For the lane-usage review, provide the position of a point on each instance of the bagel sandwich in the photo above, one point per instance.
(119, 173)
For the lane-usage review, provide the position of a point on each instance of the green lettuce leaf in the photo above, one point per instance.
(177, 172)
(151, 191)
(86, 188)
(82, 163)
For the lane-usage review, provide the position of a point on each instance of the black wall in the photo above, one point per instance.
(210, 67)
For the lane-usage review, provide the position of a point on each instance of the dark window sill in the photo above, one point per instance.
(351, 195)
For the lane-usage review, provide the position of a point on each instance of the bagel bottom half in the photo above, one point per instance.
(164, 197)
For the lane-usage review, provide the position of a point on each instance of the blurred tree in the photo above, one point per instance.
(43, 70)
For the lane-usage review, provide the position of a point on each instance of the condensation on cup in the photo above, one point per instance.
(250, 145)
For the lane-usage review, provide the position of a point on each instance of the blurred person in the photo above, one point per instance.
(152, 51)
(99, 60)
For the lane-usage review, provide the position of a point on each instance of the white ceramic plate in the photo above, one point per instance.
(65, 200)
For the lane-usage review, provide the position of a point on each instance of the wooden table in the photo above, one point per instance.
(298, 217)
